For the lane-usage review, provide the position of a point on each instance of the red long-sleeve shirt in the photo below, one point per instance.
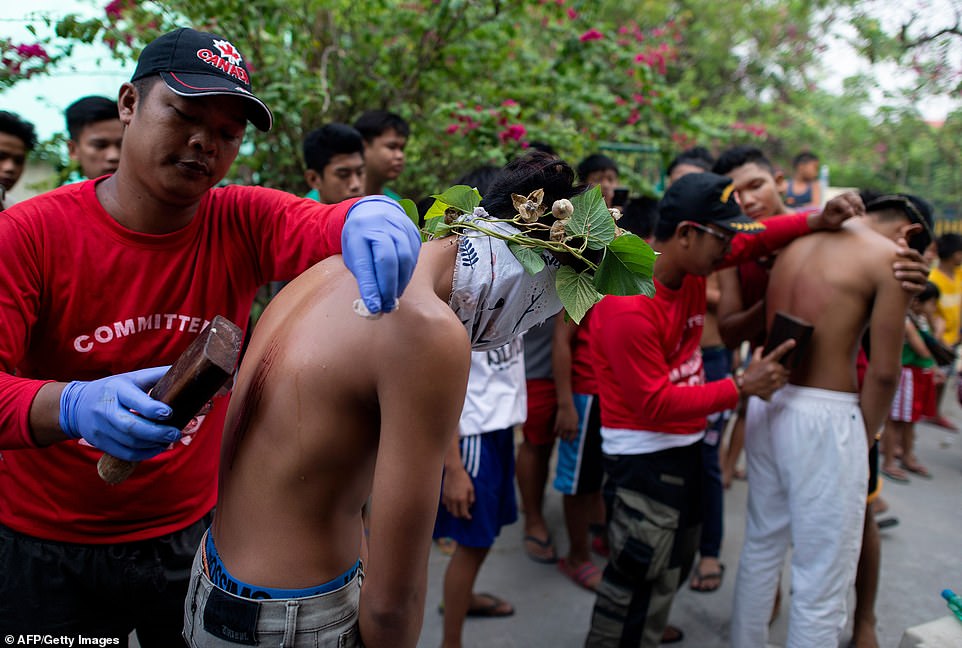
(83, 297)
(648, 359)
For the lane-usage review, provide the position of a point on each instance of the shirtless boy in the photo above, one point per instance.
(806, 448)
(330, 409)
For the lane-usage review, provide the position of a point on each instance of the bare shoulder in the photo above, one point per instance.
(425, 334)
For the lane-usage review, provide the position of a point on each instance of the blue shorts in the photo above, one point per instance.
(579, 469)
(489, 460)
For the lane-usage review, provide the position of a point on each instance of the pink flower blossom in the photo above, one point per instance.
(634, 117)
(507, 103)
(31, 51)
(451, 129)
(591, 35)
(514, 132)
(116, 8)
(572, 14)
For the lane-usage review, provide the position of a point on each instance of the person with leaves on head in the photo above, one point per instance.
(105, 280)
(655, 401)
(331, 409)
(17, 139)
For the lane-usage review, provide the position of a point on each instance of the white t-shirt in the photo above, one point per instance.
(496, 397)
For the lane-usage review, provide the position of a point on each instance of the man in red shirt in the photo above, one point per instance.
(654, 400)
(119, 275)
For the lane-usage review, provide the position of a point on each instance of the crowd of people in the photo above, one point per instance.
(301, 509)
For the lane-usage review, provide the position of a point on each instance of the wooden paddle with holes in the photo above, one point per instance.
(194, 378)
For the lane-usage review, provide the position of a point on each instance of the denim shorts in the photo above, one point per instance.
(214, 618)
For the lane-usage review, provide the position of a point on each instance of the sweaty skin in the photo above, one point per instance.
(842, 282)
(329, 409)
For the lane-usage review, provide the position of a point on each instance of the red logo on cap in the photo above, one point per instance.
(229, 60)
(228, 51)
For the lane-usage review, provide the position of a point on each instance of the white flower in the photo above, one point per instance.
(562, 209)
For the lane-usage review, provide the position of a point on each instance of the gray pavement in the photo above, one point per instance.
(920, 557)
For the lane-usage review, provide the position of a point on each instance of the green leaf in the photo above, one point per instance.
(435, 228)
(461, 197)
(576, 291)
(627, 268)
(530, 259)
(436, 210)
(591, 219)
(411, 210)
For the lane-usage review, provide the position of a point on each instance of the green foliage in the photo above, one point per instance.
(591, 220)
(626, 268)
(576, 291)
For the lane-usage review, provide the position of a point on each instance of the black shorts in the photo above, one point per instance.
(92, 590)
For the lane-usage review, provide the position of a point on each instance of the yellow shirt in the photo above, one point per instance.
(950, 302)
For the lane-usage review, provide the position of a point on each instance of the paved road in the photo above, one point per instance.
(920, 557)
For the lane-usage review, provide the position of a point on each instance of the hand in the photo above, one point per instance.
(380, 246)
(837, 211)
(910, 268)
(566, 422)
(99, 411)
(457, 493)
(765, 375)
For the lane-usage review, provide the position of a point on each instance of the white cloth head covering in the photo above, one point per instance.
(493, 295)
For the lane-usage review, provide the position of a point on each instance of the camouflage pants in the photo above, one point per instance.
(654, 527)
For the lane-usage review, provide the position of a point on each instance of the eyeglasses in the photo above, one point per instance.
(725, 238)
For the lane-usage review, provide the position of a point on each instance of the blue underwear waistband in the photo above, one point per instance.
(222, 578)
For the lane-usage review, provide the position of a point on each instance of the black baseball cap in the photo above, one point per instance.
(201, 64)
(705, 198)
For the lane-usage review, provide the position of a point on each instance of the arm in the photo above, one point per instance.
(416, 431)
(915, 341)
(566, 418)
(886, 331)
(736, 323)
(379, 242)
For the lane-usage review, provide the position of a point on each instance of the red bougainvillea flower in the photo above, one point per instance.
(591, 35)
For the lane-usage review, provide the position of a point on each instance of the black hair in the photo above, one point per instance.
(374, 123)
(143, 86)
(930, 292)
(595, 162)
(321, 144)
(803, 157)
(538, 145)
(697, 156)
(480, 178)
(534, 170)
(13, 124)
(639, 216)
(948, 244)
(89, 110)
(739, 156)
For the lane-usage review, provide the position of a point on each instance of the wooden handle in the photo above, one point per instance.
(194, 378)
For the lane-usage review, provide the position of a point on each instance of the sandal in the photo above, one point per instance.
(497, 607)
(896, 475)
(543, 551)
(698, 578)
(917, 469)
(586, 575)
(672, 635)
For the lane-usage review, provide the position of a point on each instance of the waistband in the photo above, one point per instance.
(814, 393)
(223, 579)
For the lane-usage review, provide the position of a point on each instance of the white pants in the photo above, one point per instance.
(807, 459)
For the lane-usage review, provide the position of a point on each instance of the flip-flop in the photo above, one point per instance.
(676, 635)
(699, 577)
(546, 544)
(587, 575)
(918, 469)
(902, 479)
(493, 610)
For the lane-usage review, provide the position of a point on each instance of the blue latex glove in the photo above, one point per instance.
(99, 411)
(380, 245)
